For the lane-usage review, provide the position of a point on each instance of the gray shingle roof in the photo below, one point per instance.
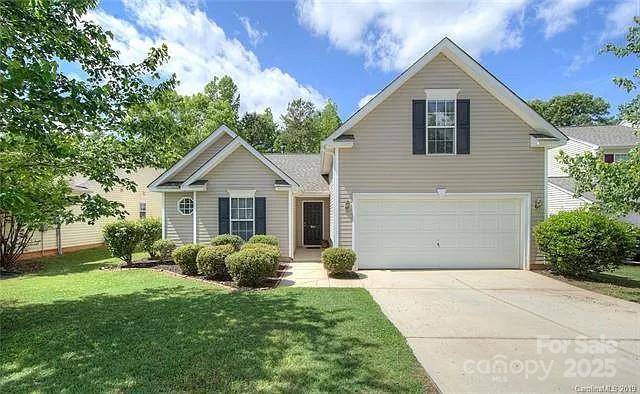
(603, 136)
(567, 183)
(303, 168)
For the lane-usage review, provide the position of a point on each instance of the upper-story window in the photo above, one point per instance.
(441, 121)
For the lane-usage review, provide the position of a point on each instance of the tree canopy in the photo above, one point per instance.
(54, 125)
(616, 185)
(575, 109)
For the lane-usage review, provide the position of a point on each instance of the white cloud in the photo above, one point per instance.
(255, 35)
(363, 101)
(200, 50)
(620, 18)
(392, 35)
(559, 15)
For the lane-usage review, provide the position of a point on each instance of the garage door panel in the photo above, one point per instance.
(438, 233)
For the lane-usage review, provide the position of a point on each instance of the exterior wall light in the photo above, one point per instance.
(442, 191)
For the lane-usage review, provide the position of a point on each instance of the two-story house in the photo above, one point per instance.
(444, 168)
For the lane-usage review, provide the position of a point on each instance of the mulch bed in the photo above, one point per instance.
(22, 267)
(345, 275)
(174, 269)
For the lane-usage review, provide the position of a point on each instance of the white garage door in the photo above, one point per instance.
(432, 232)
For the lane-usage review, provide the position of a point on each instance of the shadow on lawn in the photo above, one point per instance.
(615, 280)
(187, 339)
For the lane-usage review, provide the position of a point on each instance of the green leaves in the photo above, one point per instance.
(55, 126)
(575, 109)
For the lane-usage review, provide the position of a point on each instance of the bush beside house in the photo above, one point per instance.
(163, 248)
(582, 242)
(250, 267)
(150, 232)
(227, 239)
(122, 238)
(264, 239)
(211, 260)
(185, 257)
(338, 260)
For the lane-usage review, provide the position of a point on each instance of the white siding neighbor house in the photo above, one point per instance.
(614, 143)
(77, 236)
(444, 168)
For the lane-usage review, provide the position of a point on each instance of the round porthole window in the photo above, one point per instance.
(185, 206)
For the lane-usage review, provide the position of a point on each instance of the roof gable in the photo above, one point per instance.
(183, 163)
(467, 64)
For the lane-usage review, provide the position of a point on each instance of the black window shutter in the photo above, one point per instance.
(223, 215)
(419, 127)
(261, 215)
(463, 117)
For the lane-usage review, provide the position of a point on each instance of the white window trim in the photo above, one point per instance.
(242, 194)
(448, 95)
(193, 203)
(616, 156)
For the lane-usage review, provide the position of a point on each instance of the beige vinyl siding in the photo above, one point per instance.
(560, 200)
(202, 158)
(243, 171)
(79, 233)
(381, 159)
(300, 218)
(572, 148)
(332, 199)
(178, 227)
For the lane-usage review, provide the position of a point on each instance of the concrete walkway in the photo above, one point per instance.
(307, 271)
(511, 331)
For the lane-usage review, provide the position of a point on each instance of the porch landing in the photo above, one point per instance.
(306, 270)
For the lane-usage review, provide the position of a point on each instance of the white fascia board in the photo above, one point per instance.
(589, 144)
(475, 71)
(226, 151)
(537, 142)
(192, 154)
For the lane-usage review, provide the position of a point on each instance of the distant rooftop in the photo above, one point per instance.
(603, 136)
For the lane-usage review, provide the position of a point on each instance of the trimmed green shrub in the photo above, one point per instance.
(338, 260)
(185, 256)
(210, 260)
(150, 232)
(250, 267)
(227, 239)
(270, 250)
(264, 239)
(163, 248)
(122, 238)
(578, 243)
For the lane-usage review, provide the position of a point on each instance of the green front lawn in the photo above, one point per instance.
(74, 327)
(622, 283)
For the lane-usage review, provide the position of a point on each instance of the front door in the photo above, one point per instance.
(312, 223)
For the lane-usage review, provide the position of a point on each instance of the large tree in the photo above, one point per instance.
(54, 126)
(615, 185)
(259, 130)
(575, 109)
(304, 127)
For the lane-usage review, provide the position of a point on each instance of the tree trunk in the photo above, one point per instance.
(14, 238)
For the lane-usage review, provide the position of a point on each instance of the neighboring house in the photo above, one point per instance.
(80, 235)
(614, 142)
(444, 168)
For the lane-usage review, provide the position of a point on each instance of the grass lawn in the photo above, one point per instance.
(622, 283)
(74, 327)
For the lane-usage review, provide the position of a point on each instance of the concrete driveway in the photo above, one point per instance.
(511, 331)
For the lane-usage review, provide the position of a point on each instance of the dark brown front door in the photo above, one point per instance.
(312, 223)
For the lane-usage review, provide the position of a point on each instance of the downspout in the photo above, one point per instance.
(58, 239)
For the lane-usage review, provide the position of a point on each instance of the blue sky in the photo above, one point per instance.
(280, 50)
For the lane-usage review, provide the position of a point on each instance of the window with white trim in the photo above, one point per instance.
(441, 120)
(142, 209)
(185, 206)
(620, 156)
(242, 216)
(441, 126)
